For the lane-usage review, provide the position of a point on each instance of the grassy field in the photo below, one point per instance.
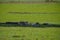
(42, 8)
(29, 33)
(50, 18)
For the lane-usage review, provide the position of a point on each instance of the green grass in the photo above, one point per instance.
(47, 7)
(51, 18)
(44, 8)
(29, 33)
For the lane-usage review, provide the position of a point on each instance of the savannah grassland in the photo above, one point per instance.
(30, 33)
